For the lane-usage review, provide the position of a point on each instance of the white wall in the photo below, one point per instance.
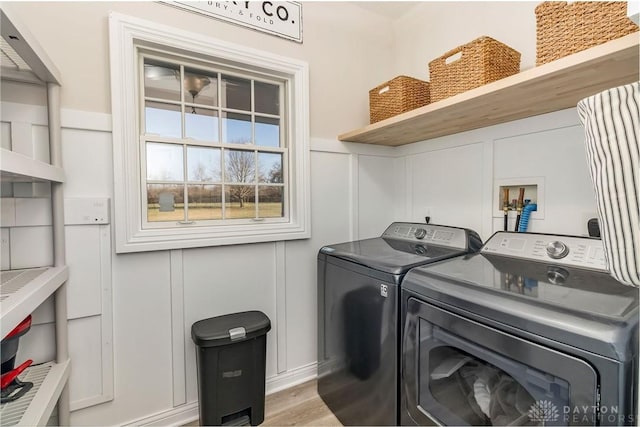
(454, 178)
(347, 47)
(357, 190)
(431, 29)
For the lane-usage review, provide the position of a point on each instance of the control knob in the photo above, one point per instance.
(420, 233)
(557, 250)
(557, 276)
(420, 250)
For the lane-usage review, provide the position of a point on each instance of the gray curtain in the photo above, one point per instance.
(612, 132)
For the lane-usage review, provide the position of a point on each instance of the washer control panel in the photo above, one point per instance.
(572, 251)
(427, 233)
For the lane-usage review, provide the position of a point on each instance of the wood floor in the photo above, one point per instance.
(296, 406)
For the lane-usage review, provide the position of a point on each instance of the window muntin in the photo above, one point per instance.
(210, 151)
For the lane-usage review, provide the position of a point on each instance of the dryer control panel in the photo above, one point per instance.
(451, 237)
(571, 251)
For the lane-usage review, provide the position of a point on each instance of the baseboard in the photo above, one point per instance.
(187, 413)
(179, 416)
(291, 378)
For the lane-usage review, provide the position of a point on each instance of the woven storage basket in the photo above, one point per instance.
(482, 61)
(397, 96)
(563, 29)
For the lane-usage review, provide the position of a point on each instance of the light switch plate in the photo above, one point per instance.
(83, 211)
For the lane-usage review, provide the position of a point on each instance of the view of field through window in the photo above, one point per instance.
(212, 144)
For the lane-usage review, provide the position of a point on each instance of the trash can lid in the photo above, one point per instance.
(230, 328)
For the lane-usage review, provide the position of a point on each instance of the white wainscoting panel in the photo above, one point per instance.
(331, 200)
(378, 194)
(33, 211)
(557, 155)
(228, 279)
(85, 350)
(86, 156)
(84, 259)
(5, 259)
(142, 338)
(45, 313)
(178, 363)
(40, 137)
(22, 138)
(281, 305)
(447, 186)
(88, 249)
(5, 135)
(31, 247)
(7, 212)
(39, 344)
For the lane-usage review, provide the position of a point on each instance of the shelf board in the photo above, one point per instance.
(17, 167)
(22, 291)
(36, 406)
(550, 87)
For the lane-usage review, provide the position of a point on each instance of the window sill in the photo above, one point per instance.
(186, 237)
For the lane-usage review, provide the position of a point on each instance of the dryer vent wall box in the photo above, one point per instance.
(84, 211)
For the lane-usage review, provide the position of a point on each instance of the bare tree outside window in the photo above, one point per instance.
(240, 167)
(275, 174)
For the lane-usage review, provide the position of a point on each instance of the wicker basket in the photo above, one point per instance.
(482, 61)
(397, 96)
(563, 29)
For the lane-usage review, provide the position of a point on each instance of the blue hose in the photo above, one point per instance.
(526, 213)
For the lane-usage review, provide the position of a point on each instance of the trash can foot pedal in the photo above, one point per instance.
(238, 419)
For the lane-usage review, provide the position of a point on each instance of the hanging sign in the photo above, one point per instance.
(280, 18)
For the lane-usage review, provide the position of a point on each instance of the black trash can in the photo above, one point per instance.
(231, 357)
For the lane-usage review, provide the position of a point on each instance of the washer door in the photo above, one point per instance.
(456, 371)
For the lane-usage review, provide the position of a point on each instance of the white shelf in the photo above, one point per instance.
(18, 36)
(550, 87)
(22, 291)
(36, 406)
(19, 168)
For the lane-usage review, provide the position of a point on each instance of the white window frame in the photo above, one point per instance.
(126, 34)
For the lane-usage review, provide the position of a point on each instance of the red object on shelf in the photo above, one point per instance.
(8, 378)
(22, 327)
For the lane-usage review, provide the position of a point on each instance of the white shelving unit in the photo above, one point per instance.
(17, 167)
(22, 291)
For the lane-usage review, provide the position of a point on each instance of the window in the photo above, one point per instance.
(212, 145)
(210, 140)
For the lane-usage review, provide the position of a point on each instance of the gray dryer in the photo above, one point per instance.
(532, 330)
(358, 315)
